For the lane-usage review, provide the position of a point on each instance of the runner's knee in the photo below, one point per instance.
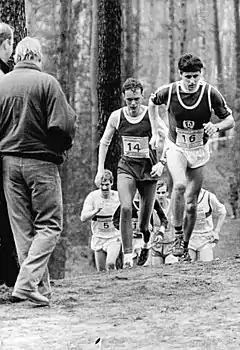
(179, 187)
(191, 208)
(126, 211)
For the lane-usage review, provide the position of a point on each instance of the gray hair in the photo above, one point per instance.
(28, 49)
(6, 32)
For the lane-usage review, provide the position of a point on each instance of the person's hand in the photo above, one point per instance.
(156, 141)
(157, 238)
(98, 178)
(215, 237)
(210, 128)
(157, 169)
(99, 206)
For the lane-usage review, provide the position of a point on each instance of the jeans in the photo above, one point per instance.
(34, 199)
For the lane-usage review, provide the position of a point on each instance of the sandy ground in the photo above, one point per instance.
(181, 306)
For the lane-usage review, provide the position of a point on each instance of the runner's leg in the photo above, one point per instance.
(100, 259)
(193, 254)
(206, 253)
(157, 260)
(177, 166)
(147, 191)
(126, 191)
(195, 180)
(113, 250)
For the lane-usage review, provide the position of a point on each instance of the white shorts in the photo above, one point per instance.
(195, 157)
(200, 240)
(98, 243)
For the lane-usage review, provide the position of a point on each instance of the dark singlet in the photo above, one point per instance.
(137, 156)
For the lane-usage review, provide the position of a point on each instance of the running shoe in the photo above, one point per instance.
(127, 262)
(185, 257)
(127, 265)
(178, 245)
(143, 256)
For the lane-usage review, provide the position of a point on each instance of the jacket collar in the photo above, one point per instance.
(4, 67)
(28, 65)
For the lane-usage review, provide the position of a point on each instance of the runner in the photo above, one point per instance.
(137, 235)
(137, 168)
(205, 236)
(189, 103)
(163, 237)
(99, 207)
(233, 196)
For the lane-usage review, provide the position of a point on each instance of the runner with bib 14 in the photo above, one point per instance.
(138, 167)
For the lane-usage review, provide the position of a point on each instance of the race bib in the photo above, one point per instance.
(189, 138)
(135, 225)
(201, 215)
(200, 221)
(105, 224)
(135, 147)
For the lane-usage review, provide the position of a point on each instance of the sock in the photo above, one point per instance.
(178, 230)
(128, 257)
(146, 236)
(146, 245)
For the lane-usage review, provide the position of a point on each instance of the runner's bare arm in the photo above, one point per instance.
(103, 148)
(159, 128)
(219, 211)
(225, 124)
(157, 169)
(89, 214)
(162, 217)
(88, 210)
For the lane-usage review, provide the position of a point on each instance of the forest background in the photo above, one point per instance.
(92, 46)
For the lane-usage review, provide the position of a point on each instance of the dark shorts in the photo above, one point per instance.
(139, 170)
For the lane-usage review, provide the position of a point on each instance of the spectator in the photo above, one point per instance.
(9, 266)
(37, 126)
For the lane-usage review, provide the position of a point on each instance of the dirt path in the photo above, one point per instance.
(191, 306)
(183, 306)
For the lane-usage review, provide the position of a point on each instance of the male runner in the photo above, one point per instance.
(137, 235)
(137, 168)
(99, 207)
(189, 103)
(163, 238)
(205, 233)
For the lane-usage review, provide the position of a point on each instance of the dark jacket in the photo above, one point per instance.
(9, 266)
(35, 119)
(4, 67)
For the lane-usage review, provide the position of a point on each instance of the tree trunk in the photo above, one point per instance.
(218, 49)
(237, 45)
(183, 27)
(171, 41)
(236, 145)
(93, 75)
(109, 73)
(137, 32)
(154, 66)
(129, 39)
(202, 27)
(12, 12)
(58, 258)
